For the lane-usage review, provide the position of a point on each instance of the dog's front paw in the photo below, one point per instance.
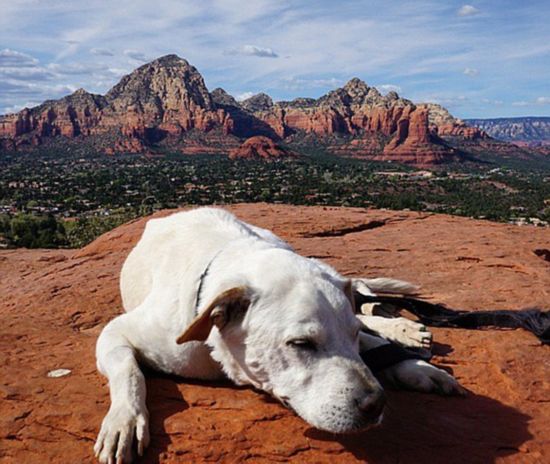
(115, 439)
(418, 375)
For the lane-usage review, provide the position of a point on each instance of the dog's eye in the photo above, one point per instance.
(302, 343)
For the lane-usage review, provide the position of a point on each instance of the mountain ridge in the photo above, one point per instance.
(530, 130)
(165, 103)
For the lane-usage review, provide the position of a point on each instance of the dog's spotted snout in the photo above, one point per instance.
(372, 405)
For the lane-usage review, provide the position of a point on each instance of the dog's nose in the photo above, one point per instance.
(372, 405)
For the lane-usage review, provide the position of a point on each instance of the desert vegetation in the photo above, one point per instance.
(49, 200)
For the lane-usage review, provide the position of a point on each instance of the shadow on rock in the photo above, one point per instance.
(163, 400)
(441, 349)
(427, 428)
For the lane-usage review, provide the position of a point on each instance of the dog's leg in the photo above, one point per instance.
(383, 285)
(400, 330)
(418, 375)
(369, 341)
(412, 374)
(127, 416)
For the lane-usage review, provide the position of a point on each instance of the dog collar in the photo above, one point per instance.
(201, 282)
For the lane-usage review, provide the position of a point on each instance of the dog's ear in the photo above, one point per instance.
(217, 313)
(349, 291)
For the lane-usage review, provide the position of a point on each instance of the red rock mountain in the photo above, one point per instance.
(259, 146)
(71, 116)
(166, 103)
(162, 99)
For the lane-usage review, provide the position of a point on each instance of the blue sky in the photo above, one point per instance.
(479, 59)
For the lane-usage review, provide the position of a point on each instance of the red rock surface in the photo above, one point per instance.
(55, 303)
(259, 147)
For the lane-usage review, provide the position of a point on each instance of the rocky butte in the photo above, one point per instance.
(259, 146)
(165, 104)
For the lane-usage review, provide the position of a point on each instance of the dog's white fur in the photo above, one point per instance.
(273, 319)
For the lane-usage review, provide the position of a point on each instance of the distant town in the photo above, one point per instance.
(63, 201)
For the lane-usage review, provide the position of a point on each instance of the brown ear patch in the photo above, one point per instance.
(202, 325)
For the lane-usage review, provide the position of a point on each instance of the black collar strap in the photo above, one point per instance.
(201, 282)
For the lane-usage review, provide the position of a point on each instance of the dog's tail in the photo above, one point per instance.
(387, 286)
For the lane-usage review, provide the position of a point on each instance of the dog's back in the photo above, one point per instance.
(190, 239)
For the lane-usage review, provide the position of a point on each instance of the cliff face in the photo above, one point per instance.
(55, 303)
(71, 116)
(167, 102)
(414, 143)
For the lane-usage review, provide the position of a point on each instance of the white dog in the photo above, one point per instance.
(208, 296)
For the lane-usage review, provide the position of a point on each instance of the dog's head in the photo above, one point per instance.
(294, 335)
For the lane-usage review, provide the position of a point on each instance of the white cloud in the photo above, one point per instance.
(16, 66)
(471, 72)
(488, 101)
(18, 107)
(76, 68)
(452, 101)
(253, 50)
(81, 33)
(101, 52)
(12, 58)
(386, 43)
(262, 52)
(467, 10)
(31, 89)
(539, 101)
(119, 72)
(243, 96)
(389, 88)
(36, 73)
(135, 55)
(296, 83)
